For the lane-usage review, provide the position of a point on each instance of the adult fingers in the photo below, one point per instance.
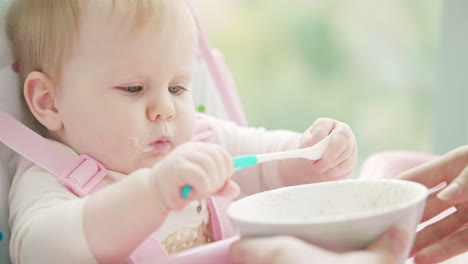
(388, 249)
(391, 246)
(441, 229)
(455, 245)
(434, 206)
(443, 169)
(276, 250)
(457, 191)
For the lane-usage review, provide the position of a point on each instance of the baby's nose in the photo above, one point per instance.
(160, 111)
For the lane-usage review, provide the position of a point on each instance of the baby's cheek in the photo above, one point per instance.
(117, 154)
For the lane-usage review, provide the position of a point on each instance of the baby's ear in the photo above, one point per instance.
(41, 96)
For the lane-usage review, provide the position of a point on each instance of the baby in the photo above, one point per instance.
(111, 79)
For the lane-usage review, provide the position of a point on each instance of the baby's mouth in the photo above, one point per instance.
(159, 145)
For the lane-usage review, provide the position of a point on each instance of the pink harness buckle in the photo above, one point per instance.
(85, 175)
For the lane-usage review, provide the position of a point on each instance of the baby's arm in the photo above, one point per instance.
(50, 224)
(338, 162)
(118, 218)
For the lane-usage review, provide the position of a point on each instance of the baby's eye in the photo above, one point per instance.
(176, 89)
(132, 89)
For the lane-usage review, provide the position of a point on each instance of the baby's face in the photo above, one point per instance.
(124, 95)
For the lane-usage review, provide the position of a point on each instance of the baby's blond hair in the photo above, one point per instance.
(41, 32)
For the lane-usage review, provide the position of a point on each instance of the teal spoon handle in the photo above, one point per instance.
(240, 163)
(243, 162)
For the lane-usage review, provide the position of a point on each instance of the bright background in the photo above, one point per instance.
(372, 64)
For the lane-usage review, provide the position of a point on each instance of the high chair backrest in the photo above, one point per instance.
(213, 91)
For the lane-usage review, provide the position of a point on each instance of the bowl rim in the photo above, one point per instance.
(422, 195)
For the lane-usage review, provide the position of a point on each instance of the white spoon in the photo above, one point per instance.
(314, 152)
(311, 153)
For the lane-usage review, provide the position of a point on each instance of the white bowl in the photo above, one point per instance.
(339, 216)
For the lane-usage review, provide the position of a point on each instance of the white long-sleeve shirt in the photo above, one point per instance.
(46, 219)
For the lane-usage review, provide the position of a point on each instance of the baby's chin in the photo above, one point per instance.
(147, 162)
(129, 167)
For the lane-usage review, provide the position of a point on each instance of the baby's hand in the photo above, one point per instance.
(207, 168)
(340, 157)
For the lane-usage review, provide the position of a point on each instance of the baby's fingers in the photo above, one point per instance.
(318, 131)
(230, 189)
(345, 168)
(348, 153)
(216, 167)
(341, 142)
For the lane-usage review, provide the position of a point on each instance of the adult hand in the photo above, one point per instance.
(387, 249)
(449, 236)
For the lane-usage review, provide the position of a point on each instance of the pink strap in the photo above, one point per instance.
(84, 176)
(220, 75)
(80, 174)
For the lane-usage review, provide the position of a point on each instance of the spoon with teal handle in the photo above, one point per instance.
(314, 152)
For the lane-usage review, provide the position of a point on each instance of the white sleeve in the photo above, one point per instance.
(247, 140)
(46, 220)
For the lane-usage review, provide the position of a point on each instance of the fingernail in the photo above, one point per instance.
(451, 192)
